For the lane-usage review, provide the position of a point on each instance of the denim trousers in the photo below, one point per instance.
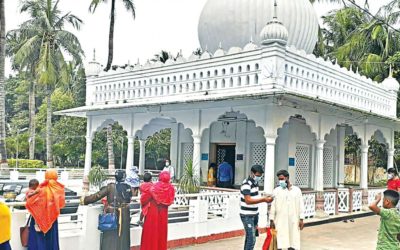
(250, 223)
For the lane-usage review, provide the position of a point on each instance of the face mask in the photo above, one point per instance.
(167, 164)
(282, 184)
(390, 176)
(257, 178)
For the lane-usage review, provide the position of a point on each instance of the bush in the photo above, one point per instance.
(27, 164)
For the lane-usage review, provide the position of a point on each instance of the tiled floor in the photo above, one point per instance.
(360, 234)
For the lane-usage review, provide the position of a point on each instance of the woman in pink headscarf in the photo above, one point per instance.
(155, 227)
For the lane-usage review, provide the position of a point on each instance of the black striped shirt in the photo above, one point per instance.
(249, 187)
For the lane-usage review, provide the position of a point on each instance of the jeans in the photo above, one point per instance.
(250, 223)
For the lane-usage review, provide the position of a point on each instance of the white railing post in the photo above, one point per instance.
(18, 219)
(90, 238)
(198, 212)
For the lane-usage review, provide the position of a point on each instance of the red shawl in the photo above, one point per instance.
(145, 195)
(45, 206)
(163, 192)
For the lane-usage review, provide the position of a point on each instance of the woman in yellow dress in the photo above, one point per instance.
(5, 228)
(211, 178)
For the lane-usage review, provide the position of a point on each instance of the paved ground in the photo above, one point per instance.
(360, 235)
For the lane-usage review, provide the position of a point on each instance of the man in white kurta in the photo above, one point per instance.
(287, 214)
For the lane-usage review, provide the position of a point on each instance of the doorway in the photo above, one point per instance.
(227, 151)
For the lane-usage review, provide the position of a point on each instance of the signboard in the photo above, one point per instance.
(291, 162)
(239, 157)
(204, 157)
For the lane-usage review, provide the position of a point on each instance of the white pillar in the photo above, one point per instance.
(364, 166)
(341, 132)
(142, 155)
(88, 156)
(130, 154)
(196, 155)
(390, 158)
(319, 165)
(269, 175)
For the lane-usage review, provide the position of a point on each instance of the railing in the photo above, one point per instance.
(309, 204)
(357, 200)
(372, 194)
(330, 202)
(343, 200)
(15, 174)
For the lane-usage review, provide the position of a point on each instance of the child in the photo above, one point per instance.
(145, 190)
(389, 229)
(33, 188)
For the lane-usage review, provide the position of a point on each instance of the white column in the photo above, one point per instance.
(341, 131)
(88, 156)
(269, 175)
(130, 154)
(364, 166)
(196, 155)
(390, 158)
(319, 166)
(142, 155)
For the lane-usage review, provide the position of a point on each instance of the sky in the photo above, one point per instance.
(169, 25)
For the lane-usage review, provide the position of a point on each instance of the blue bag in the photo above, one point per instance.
(108, 221)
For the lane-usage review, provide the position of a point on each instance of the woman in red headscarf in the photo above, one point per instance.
(155, 227)
(45, 208)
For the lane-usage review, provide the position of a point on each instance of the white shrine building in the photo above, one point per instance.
(256, 94)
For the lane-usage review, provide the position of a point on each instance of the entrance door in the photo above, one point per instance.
(228, 152)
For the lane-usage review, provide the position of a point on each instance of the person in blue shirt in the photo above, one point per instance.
(225, 175)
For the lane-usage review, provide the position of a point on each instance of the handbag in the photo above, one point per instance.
(108, 221)
(24, 233)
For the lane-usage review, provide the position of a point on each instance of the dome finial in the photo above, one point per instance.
(94, 54)
(390, 71)
(275, 10)
(220, 45)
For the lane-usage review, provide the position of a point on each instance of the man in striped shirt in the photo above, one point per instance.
(249, 198)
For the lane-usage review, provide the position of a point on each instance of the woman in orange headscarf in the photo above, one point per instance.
(155, 227)
(45, 208)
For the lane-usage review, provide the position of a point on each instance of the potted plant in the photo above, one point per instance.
(97, 177)
(189, 182)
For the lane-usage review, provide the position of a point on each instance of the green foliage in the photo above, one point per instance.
(189, 182)
(158, 148)
(24, 163)
(97, 176)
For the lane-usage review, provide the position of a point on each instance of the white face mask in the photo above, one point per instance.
(390, 176)
(257, 178)
(167, 164)
(283, 184)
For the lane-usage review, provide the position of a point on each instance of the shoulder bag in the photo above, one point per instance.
(24, 233)
(108, 221)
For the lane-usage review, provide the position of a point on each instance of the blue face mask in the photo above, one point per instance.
(257, 178)
(282, 184)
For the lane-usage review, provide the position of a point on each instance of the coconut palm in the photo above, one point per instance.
(129, 6)
(3, 153)
(43, 37)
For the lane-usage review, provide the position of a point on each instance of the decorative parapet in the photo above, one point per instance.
(260, 71)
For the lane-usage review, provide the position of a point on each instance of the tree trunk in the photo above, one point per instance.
(110, 150)
(111, 37)
(3, 152)
(49, 143)
(32, 125)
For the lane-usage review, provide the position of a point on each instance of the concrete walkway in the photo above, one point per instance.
(360, 234)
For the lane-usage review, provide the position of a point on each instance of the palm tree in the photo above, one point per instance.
(3, 152)
(129, 6)
(43, 37)
(14, 41)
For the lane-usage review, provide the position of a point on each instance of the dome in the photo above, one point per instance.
(170, 61)
(219, 51)
(193, 57)
(391, 83)
(232, 22)
(93, 68)
(234, 50)
(206, 55)
(274, 31)
(250, 46)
